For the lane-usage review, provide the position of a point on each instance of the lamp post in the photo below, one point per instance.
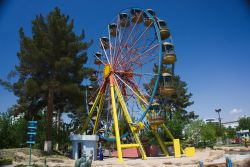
(218, 111)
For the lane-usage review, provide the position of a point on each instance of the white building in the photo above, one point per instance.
(243, 134)
(211, 120)
(232, 124)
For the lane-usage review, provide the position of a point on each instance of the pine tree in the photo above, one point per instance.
(50, 70)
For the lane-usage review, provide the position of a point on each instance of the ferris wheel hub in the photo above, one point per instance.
(106, 70)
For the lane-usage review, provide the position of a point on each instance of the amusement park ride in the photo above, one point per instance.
(130, 79)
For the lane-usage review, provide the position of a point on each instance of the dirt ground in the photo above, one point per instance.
(20, 156)
(206, 155)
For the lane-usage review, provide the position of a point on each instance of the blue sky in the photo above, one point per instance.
(212, 41)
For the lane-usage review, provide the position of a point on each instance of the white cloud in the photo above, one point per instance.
(235, 111)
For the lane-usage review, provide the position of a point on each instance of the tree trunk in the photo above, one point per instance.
(57, 129)
(49, 115)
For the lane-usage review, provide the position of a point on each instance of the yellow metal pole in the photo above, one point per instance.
(117, 134)
(91, 112)
(168, 132)
(129, 120)
(130, 145)
(98, 113)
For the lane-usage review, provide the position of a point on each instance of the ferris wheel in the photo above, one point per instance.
(128, 61)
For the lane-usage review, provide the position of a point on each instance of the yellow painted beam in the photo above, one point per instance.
(91, 111)
(168, 132)
(177, 148)
(98, 113)
(129, 120)
(168, 143)
(117, 134)
(130, 145)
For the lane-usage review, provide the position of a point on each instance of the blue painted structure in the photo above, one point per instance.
(32, 126)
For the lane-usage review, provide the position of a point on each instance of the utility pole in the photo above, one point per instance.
(218, 111)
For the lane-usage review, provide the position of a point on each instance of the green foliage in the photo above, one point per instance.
(193, 132)
(230, 132)
(198, 134)
(176, 124)
(52, 59)
(244, 123)
(147, 136)
(60, 135)
(123, 126)
(208, 133)
(13, 133)
(5, 162)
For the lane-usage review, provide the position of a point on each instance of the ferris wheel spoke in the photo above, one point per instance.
(148, 46)
(132, 58)
(146, 54)
(131, 31)
(137, 67)
(131, 89)
(117, 37)
(139, 62)
(150, 89)
(144, 45)
(137, 83)
(121, 38)
(143, 39)
(136, 58)
(149, 49)
(137, 103)
(134, 43)
(110, 46)
(137, 73)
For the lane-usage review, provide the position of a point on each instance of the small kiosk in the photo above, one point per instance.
(84, 144)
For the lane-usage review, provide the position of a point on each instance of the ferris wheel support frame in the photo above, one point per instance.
(114, 89)
(98, 113)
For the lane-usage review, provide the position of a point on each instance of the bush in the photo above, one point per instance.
(13, 133)
(200, 134)
(5, 162)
